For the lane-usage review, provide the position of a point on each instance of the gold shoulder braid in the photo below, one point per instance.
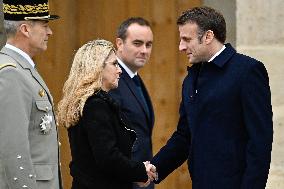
(8, 64)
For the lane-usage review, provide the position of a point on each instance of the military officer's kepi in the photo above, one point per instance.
(27, 10)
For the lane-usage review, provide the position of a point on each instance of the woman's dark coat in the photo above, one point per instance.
(101, 145)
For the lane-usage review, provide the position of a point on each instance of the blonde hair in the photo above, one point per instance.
(84, 80)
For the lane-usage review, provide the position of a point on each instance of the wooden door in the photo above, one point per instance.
(86, 20)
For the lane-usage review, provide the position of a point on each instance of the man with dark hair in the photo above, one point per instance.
(225, 128)
(134, 45)
(29, 154)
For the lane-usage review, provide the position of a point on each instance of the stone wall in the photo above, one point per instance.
(228, 9)
(260, 34)
(2, 32)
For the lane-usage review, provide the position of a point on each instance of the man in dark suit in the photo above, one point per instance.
(29, 148)
(225, 128)
(134, 45)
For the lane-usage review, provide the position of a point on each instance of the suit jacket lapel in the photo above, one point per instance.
(26, 65)
(131, 85)
(148, 99)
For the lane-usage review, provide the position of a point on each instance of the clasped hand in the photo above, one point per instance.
(151, 172)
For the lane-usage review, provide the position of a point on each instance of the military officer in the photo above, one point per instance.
(29, 154)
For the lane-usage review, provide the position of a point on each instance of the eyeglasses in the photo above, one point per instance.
(115, 63)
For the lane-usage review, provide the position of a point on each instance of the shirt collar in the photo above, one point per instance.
(25, 55)
(215, 55)
(128, 71)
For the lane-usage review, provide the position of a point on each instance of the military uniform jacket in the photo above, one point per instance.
(29, 155)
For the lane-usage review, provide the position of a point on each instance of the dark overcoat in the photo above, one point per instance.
(225, 127)
(101, 146)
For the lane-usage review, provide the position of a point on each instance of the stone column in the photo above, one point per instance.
(2, 32)
(260, 34)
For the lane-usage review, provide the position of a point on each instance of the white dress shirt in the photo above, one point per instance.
(128, 71)
(25, 55)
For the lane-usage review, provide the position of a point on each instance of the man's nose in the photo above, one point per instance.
(143, 49)
(182, 46)
(49, 31)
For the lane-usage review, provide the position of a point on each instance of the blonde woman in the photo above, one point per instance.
(100, 138)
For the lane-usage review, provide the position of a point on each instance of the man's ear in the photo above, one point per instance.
(25, 29)
(209, 36)
(119, 43)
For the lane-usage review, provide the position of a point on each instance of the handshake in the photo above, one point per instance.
(151, 172)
